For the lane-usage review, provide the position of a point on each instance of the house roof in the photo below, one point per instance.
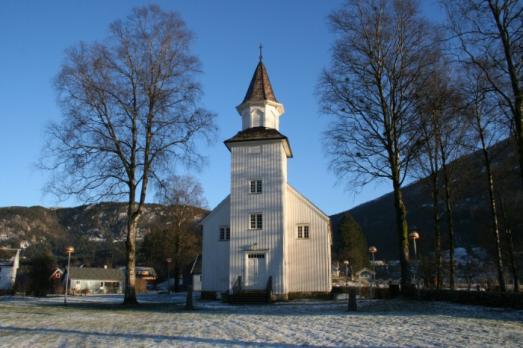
(142, 271)
(8, 255)
(219, 206)
(260, 88)
(365, 269)
(307, 201)
(92, 273)
(257, 134)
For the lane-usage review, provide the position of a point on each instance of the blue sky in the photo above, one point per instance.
(296, 40)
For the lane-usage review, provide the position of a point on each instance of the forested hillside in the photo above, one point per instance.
(470, 202)
(97, 231)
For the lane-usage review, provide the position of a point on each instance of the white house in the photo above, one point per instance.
(265, 229)
(96, 280)
(9, 263)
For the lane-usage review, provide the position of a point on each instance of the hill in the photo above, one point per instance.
(470, 201)
(96, 228)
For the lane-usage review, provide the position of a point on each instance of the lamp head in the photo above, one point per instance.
(414, 235)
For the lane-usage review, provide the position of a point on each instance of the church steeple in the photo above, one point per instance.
(260, 88)
(259, 107)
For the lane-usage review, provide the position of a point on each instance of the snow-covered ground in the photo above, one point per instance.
(99, 321)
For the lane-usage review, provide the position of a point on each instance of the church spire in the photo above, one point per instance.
(260, 108)
(260, 88)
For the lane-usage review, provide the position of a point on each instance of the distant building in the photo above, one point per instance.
(265, 229)
(91, 280)
(9, 263)
(56, 274)
(146, 273)
(365, 274)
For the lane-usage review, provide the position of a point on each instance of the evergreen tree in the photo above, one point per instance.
(351, 243)
(41, 269)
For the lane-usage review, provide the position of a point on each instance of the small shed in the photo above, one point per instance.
(84, 280)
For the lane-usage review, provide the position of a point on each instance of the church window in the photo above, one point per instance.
(255, 186)
(256, 221)
(303, 232)
(225, 233)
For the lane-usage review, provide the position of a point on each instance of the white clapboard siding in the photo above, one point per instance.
(215, 253)
(308, 260)
(264, 161)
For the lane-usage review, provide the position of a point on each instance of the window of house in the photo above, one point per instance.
(255, 186)
(303, 232)
(225, 233)
(256, 221)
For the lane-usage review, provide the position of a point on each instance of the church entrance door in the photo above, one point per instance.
(256, 271)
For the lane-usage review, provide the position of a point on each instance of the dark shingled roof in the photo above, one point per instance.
(91, 273)
(258, 133)
(260, 88)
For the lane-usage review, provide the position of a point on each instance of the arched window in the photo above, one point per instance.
(257, 118)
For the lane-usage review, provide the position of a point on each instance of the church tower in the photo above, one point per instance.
(265, 235)
(258, 188)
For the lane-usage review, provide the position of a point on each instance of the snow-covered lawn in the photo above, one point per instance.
(162, 322)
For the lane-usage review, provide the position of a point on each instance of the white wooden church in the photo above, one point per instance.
(265, 232)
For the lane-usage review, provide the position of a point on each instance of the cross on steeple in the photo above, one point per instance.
(261, 54)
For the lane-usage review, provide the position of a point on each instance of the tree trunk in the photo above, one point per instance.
(513, 267)
(510, 245)
(520, 150)
(402, 231)
(177, 258)
(493, 209)
(437, 231)
(130, 274)
(512, 69)
(450, 222)
(495, 224)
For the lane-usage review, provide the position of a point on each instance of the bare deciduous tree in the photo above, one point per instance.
(182, 194)
(440, 125)
(489, 34)
(131, 114)
(381, 53)
(485, 115)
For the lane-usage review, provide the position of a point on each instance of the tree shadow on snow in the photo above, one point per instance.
(395, 307)
(142, 336)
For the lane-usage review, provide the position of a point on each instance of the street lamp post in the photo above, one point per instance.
(168, 260)
(373, 250)
(69, 250)
(346, 263)
(414, 236)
